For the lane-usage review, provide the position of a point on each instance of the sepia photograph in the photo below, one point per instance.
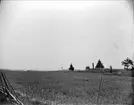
(66, 52)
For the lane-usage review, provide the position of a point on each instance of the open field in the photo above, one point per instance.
(70, 88)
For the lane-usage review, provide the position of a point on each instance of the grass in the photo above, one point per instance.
(74, 88)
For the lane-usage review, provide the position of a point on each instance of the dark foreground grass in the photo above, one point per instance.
(70, 88)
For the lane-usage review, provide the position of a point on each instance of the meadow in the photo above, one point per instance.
(70, 88)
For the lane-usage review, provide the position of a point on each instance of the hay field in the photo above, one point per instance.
(70, 88)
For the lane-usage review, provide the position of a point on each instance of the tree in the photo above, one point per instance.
(127, 63)
(93, 65)
(87, 68)
(99, 64)
(111, 70)
(71, 68)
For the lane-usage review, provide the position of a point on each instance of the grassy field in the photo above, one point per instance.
(70, 88)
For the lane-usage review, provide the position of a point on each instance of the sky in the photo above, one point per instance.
(48, 35)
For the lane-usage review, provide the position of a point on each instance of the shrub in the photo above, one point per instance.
(87, 68)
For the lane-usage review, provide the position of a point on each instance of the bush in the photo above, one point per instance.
(87, 68)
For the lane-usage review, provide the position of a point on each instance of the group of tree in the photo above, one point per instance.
(127, 63)
(98, 65)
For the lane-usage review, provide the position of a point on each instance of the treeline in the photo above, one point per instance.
(127, 63)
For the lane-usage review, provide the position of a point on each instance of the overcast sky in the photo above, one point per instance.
(48, 35)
